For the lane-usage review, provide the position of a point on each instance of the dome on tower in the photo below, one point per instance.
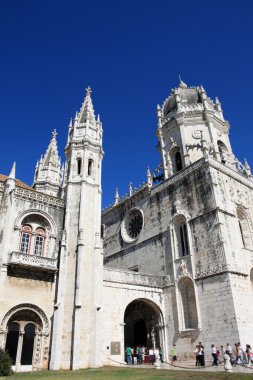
(185, 97)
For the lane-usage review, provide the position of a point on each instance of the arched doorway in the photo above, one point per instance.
(143, 322)
(24, 337)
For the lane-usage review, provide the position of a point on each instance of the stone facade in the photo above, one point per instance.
(171, 262)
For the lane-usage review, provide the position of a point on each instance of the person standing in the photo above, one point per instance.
(196, 352)
(151, 356)
(229, 351)
(214, 355)
(161, 355)
(129, 355)
(173, 355)
(201, 355)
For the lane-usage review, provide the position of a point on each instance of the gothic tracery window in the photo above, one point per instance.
(181, 237)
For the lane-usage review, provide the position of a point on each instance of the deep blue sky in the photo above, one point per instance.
(130, 53)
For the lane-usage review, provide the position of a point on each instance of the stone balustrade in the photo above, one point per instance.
(32, 261)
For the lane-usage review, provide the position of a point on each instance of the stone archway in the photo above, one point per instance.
(24, 330)
(143, 322)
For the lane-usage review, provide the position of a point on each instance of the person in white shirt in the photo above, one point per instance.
(214, 355)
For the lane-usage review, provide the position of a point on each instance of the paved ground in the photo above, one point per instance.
(189, 365)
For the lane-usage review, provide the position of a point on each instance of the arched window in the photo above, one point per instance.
(12, 340)
(34, 232)
(79, 165)
(181, 237)
(223, 151)
(244, 229)
(187, 308)
(39, 241)
(28, 343)
(26, 236)
(176, 159)
(90, 167)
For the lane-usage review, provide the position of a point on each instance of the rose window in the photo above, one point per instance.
(132, 225)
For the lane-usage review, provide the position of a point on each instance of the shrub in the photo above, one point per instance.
(5, 363)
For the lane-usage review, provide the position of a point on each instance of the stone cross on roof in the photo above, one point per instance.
(88, 90)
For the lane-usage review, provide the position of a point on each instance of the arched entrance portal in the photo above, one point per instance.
(24, 330)
(143, 321)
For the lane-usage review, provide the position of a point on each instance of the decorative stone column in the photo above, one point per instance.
(19, 349)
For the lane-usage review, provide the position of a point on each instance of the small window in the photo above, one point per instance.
(184, 240)
(135, 268)
(79, 166)
(223, 151)
(102, 231)
(39, 242)
(178, 161)
(90, 167)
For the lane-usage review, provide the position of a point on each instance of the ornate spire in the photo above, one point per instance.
(48, 172)
(52, 155)
(12, 174)
(87, 110)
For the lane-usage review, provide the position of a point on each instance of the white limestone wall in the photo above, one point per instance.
(117, 296)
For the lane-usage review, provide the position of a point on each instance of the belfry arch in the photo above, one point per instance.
(143, 324)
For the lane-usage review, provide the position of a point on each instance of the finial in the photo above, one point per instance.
(88, 91)
(130, 189)
(149, 179)
(217, 100)
(181, 83)
(54, 133)
(116, 197)
(13, 171)
(76, 116)
(70, 123)
(98, 119)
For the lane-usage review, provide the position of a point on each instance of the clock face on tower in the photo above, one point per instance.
(132, 225)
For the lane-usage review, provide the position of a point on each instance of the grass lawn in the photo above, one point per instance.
(115, 373)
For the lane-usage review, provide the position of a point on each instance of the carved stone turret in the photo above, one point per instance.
(48, 174)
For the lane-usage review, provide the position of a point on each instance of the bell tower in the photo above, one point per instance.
(190, 125)
(77, 317)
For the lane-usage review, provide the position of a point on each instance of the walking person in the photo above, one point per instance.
(229, 351)
(249, 354)
(214, 355)
(173, 355)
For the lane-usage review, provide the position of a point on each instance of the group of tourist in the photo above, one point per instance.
(142, 355)
(240, 355)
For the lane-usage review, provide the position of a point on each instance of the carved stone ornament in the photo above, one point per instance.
(26, 306)
(132, 225)
(183, 270)
(196, 134)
